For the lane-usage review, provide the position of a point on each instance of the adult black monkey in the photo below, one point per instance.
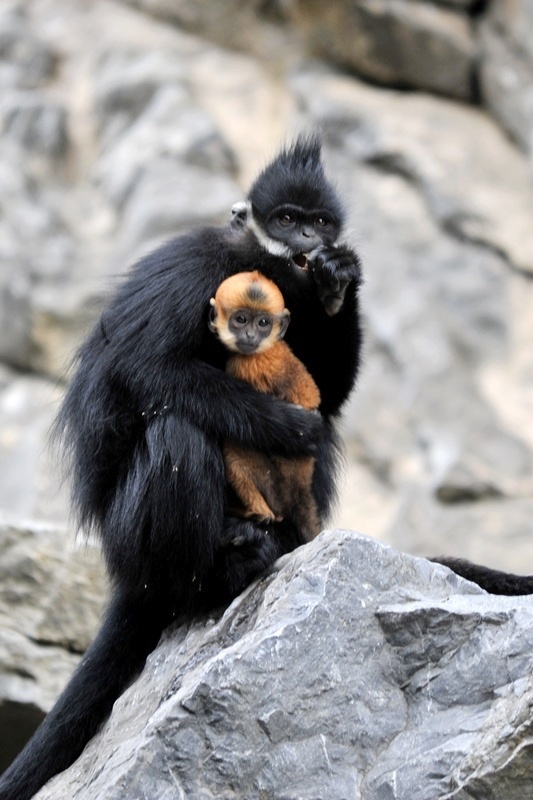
(149, 408)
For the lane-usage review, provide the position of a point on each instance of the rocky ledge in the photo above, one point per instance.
(352, 671)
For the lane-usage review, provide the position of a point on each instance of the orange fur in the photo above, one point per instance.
(277, 371)
(235, 292)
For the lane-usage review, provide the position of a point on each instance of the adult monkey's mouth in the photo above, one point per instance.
(300, 260)
(306, 261)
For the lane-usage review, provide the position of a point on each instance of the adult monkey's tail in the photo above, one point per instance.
(130, 631)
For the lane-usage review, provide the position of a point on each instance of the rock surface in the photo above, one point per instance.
(351, 672)
(506, 45)
(50, 603)
(396, 42)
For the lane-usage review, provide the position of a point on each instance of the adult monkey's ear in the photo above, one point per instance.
(212, 315)
(284, 319)
(239, 214)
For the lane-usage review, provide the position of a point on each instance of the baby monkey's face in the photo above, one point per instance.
(251, 331)
(247, 313)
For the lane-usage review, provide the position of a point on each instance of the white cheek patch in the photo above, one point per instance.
(227, 339)
(272, 246)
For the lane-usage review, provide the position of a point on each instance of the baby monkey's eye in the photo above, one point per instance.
(264, 322)
(240, 319)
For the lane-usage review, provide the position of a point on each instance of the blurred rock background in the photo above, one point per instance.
(124, 123)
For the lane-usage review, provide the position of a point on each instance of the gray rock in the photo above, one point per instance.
(396, 42)
(52, 591)
(172, 128)
(50, 603)
(39, 261)
(351, 672)
(466, 5)
(31, 678)
(30, 485)
(164, 164)
(38, 124)
(26, 61)
(209, 19)
(506, 72)
(169, 199)
(258, 28)
(491, 528)
(127, 80)
(15, 315)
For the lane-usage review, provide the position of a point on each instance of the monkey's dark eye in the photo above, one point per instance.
(240, 319)
(321, 222)
(264, 322)
(286, 220)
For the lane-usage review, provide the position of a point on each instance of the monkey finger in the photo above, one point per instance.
(327, 278)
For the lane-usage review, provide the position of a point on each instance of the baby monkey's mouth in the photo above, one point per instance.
(246, 348)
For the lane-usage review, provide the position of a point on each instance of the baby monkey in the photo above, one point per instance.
(248, 315)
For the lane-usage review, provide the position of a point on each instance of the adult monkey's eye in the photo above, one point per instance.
(286, 219)
(321, 222)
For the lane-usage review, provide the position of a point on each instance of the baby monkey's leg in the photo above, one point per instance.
(252, 477)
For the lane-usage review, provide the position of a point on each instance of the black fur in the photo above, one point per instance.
(143, 421)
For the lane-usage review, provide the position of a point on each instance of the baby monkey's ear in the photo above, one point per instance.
(284, 319)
